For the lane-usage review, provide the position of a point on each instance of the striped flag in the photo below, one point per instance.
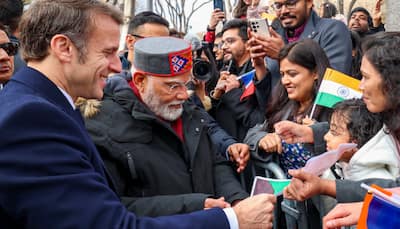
(268, 185)
(336, 87)
(381, 209)
(247, 79)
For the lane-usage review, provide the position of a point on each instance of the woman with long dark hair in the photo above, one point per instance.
(380, 86)
(302, 66)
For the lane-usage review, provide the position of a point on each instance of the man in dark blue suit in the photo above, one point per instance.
(51, 175)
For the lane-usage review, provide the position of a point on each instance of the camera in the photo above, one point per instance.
(201, 67)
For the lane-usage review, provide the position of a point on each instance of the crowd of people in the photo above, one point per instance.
(169, 132)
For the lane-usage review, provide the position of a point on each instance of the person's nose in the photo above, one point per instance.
(224, 46)
(361, 86)
(182, 95)
(115, 64)
(4, 55)
(285, 80)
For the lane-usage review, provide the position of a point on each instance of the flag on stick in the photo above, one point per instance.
(247, 79)
(381, 209)
(336, 87)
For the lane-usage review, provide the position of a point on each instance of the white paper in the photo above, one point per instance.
(318, 164)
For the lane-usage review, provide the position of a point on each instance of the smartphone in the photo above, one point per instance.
(259, 26)
(219, 4)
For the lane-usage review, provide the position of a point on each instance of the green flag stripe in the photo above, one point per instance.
(327, 100)
(279, 185)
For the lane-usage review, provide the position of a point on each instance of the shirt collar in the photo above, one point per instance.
(68, 97)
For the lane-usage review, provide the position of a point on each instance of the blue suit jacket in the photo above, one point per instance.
(51, 175)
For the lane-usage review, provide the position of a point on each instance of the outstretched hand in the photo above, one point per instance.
(343, 215)
(256, 211)
(239, 153)
(306, 185)
(216, 203)
(292, 132)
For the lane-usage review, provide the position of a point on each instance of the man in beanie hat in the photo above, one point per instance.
(162, 157)
(361, 21)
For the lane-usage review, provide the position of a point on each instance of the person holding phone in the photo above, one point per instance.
(52, 175)
(218, 15)
(297, 21)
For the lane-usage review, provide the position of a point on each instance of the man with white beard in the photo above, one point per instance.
(155, 145)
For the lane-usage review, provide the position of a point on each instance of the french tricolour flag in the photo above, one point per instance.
(247, 79)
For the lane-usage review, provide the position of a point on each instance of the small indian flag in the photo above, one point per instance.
(336, 87)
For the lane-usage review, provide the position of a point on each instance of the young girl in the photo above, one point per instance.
(376, 156)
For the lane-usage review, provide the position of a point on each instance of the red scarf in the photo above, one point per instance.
(297, 33)
(176, 125)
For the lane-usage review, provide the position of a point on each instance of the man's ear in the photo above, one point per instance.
(130, 41)
(62, 47)
(315, 75)
(310, 4)
(140, 80)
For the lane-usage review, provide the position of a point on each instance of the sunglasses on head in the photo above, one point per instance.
(11, 48)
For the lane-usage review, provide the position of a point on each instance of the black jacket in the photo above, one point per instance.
(236, 116)
(154, 171)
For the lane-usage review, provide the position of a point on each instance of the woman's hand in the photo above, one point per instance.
(306, 185)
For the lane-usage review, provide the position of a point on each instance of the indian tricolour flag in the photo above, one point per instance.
(336, 87)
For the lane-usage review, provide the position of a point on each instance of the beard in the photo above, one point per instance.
(164, 111)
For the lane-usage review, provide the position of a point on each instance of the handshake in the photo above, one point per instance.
(256, 211)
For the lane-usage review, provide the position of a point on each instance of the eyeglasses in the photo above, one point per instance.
(173, 87)
(138, 36)
(229, 41)
(218, 45)
(289, 4)
(11, 48)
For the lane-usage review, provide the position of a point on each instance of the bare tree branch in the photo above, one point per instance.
(340, 6)
(178, 13)
(351, 5)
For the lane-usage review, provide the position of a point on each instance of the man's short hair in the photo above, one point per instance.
(237, 24)
(11, 12)
(74, 18)
(144, 18)
(5, 29)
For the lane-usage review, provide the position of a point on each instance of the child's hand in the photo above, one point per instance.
(307, 121)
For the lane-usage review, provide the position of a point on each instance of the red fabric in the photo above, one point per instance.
(177, 125)
(249, 90)
(210, 36)
(297, 33)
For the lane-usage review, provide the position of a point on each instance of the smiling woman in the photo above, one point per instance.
(381, 92)
(302, 65)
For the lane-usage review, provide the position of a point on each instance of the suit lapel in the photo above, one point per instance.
(45, 88)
